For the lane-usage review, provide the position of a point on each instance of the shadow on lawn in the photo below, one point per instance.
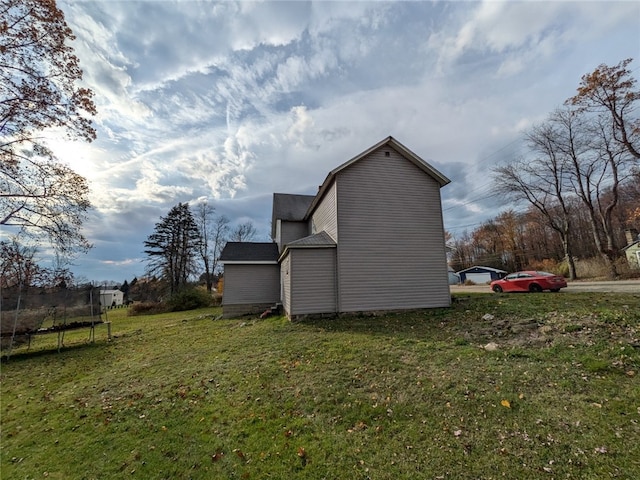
(22, 354)
(397, 324)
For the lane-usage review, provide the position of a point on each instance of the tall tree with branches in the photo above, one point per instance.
(542, 179)
(244, 232)
(203, 217)
(213, 232)
(173, 248)
(595, 174)
(612, 90)
(39, 91)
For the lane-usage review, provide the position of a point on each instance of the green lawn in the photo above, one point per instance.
(400, 396)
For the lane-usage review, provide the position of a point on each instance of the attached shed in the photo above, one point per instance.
(251, 278)
(480, 275)
(308, 276)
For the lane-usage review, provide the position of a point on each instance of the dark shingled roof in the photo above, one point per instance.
(322, 239)
(249, 252)
(291, 207)
(288, 207)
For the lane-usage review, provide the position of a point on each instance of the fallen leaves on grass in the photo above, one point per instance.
(505, 403)
(302, 455)
(217, 456)
(358, 427)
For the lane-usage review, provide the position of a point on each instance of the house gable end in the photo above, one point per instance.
(389, 142)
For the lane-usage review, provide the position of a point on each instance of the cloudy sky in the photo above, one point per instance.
(232, 101)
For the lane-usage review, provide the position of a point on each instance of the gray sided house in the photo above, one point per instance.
(371, 239)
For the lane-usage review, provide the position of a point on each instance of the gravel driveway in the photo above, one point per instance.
(620, 286)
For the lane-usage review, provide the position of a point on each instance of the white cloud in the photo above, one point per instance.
(517, 34)
(235, 100)
(300, 131)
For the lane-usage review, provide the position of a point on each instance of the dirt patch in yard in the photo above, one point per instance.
(553, 329)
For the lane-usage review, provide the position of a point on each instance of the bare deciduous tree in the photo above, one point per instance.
(541, 181)
(213, 234)
(245, 232)
(39, 75)
(219, 239)
(41, 195)
(596, 164)
(18, 266)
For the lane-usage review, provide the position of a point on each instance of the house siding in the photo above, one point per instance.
(313, 281)
(251, 284)
(392, 251)
(285, 278)
(291, 231)
(325, 215)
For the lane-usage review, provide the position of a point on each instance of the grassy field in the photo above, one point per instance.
(498, 386)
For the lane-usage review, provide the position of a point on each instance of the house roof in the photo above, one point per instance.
(322, 239)
(390, 142)
(317, 240)
(249, 253)
(290, 208)
(480, 267)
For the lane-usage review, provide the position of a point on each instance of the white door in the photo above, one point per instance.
(479, 278)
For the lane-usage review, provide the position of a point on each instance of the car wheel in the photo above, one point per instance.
(534, 287)
(497, 288)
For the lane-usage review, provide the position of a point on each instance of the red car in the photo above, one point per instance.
(529, 281)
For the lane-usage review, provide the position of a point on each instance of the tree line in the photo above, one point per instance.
(186, 244)
(578, 180)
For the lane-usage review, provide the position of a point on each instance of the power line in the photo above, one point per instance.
(486, 184)
(463, 226)
(473, 200)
